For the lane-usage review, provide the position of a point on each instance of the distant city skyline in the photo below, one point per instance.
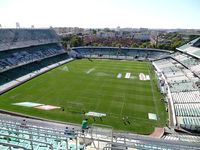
(162, 14)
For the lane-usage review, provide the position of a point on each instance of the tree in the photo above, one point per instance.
(106, 29)
(144, 45)
(65, 41)
(76, 41)
(94, 31)
(134, 45)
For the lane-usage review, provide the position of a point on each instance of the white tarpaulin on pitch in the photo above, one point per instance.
(119, 75)
(128, 75)
(95, 114)
(152, 116)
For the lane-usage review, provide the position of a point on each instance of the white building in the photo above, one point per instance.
(102, 34)
(144, 36)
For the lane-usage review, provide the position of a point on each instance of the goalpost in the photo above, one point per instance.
(75, 107)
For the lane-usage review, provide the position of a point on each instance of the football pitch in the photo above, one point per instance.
(98, 86)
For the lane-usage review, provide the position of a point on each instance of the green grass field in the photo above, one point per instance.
(94, 86)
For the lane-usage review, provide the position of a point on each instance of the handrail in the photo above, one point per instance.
(31, 141)
(27, 127)
(12, 145)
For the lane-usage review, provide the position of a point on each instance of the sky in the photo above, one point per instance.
(169, 14)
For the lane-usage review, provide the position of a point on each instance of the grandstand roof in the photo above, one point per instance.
(20, 38)
(191, 48)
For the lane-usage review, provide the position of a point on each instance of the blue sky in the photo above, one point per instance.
(101, 13)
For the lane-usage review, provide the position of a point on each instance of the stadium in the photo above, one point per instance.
(130, 98)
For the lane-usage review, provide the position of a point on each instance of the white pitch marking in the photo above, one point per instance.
(90, 70)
